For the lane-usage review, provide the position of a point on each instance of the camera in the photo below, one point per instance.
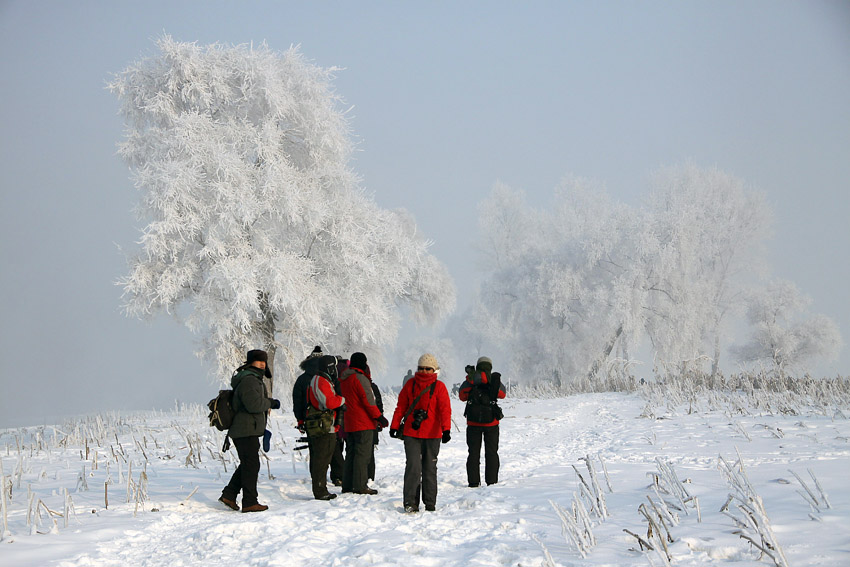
(419, 416)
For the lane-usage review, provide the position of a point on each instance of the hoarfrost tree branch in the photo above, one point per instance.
(256, 224)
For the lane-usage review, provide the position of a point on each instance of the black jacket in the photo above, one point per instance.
(311, 366)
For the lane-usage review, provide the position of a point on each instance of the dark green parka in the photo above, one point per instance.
(250, 403)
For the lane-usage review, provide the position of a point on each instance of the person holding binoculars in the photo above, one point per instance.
(423, 419)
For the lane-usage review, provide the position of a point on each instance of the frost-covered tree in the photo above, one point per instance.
(709, 229)
(783, 334)
(580, 284)
(258, 232)
(552, 279)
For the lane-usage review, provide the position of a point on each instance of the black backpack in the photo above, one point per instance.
(221, 410)
(481, 405)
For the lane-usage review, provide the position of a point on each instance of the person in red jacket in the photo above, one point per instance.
(362, 416)
(480, 391)
(321, 397)
(423, 418)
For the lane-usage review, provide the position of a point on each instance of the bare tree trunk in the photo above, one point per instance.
(715, 366)
(606, 352)
(267, 331)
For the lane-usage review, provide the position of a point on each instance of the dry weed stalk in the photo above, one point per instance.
(667, 482)
(816, 502)
(4, 503)
(753, 523)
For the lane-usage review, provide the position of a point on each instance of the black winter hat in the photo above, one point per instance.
(358, 360)
(327, 364)
(484, 364)
(255, 355)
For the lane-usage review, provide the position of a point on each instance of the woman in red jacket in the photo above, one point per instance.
(362, 417)
(425, 410)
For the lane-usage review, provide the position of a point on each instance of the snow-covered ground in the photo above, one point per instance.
(512, 523)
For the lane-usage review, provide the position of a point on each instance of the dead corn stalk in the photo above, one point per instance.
(5, 505)
(817, 502)
(576, 525)
(753, 523)
(591, 491)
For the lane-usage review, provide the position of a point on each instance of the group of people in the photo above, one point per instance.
(340, 410)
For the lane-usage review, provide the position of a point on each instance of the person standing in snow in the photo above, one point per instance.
(423, 418)
(480, 391)
(299, 389)
(338, 460)
(320, 423)
(362, 416)
(251, 405)
(379, 401)
(407, 377)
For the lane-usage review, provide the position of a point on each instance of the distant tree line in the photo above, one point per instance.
(571, 291)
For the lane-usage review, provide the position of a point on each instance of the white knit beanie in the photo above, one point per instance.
(428, 360)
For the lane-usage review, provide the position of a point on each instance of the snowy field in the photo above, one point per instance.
(165, 473)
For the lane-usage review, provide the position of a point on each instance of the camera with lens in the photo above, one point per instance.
(419, 416)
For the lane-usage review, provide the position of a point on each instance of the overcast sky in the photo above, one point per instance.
(449, 97)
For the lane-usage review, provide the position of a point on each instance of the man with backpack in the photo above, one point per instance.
(320, 422)
(481, 389)
(251, 405)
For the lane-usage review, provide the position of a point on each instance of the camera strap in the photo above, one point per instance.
(416, 401)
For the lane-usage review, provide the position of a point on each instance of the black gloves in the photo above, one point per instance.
(447, 436)
(394, 433)
(267, 438)
(470, 370)
(275, 404)
(382, 422)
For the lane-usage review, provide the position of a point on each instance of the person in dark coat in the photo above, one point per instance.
(425, 408)
(481, 389)
(380, 403)
(322, 399)
(338, 460)
(362, 416)
(299, 389)
(251, 405)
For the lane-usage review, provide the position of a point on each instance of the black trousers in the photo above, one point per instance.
(490, 435)
(371, 472)
(420, 471)
(244, 479)
(359, 450)
(322, 449)
(338, 461)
